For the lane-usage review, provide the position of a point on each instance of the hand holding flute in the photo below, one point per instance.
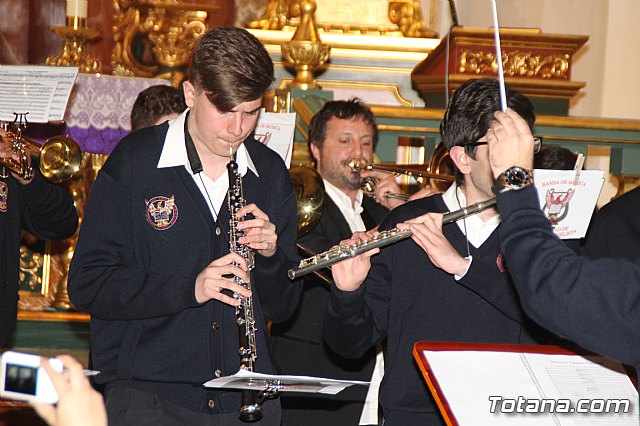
(349, 274)
(426, 231)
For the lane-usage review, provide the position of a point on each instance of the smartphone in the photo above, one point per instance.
(23, 378)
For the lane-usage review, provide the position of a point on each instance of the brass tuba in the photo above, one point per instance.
(59, 157)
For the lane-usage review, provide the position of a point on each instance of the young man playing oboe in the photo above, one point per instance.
(440, 285)
(152, 265)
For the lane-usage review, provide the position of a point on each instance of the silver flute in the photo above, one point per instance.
(345, 251)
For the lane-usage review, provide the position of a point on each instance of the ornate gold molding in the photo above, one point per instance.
(407, 16)
(515, 64)
(404, 16)
(276, 15)
(162, 34)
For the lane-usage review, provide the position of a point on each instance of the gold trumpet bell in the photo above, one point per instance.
(60, 158)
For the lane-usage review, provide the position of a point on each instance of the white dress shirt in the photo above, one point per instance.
(350, 211)
(174, 153)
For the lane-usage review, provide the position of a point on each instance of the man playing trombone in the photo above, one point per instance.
(342, 131)
(440, 285)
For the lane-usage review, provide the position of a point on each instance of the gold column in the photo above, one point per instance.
(306, 52)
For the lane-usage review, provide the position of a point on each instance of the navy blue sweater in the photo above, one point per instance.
(138, 283)
(594, 303)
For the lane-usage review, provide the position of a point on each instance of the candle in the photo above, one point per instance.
(77, 8)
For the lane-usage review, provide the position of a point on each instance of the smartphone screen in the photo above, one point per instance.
(21, 379)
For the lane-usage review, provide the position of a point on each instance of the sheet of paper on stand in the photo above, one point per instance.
(42, 91)
(568, 201)
(249, 380)
(470, 381)
(276, 130)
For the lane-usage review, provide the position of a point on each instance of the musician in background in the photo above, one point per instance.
(37, 206)
(340, 132)
(152, 264)
(440, 285)
(615, 230)
(555, 157)
(155, 105)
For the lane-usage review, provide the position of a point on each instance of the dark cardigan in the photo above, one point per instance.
(595, 304)
(138, 282)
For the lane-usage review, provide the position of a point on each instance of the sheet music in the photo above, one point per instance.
(568, 199)
(42, 91)
(468, 379)
(244, 379)
(276, 130)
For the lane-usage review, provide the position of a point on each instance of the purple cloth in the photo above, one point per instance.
(97, 141)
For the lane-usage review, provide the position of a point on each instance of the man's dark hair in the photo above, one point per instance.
(155, 102)
(555, 158)
(471, 110)
(344, 110)
(231, 66)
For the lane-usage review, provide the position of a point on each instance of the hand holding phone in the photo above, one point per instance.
(23, 378)
(78, 402)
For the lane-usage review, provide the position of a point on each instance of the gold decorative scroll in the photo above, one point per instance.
(515, 64)
(150, 35)
(408, 17)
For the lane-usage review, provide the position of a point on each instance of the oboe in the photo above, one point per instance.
(341, 252)
(250, 410)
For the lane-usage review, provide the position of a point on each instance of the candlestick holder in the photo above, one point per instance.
(75, 47)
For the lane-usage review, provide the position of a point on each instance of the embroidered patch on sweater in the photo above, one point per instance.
(4, 195)
(162, 212)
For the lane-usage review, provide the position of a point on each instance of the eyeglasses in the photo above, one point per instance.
(537, 142)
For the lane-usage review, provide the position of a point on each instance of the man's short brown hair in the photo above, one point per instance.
(231, 66)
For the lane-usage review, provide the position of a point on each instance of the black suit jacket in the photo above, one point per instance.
(304, 351)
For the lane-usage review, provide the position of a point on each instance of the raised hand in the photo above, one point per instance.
(510, 142)
(385, 184)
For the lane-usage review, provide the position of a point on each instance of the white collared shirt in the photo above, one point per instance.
(477, 230)
(174, 154)
(350, 212)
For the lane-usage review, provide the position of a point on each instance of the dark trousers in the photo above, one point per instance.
(130, 407)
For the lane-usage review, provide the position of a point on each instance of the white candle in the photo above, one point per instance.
(77, 8)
